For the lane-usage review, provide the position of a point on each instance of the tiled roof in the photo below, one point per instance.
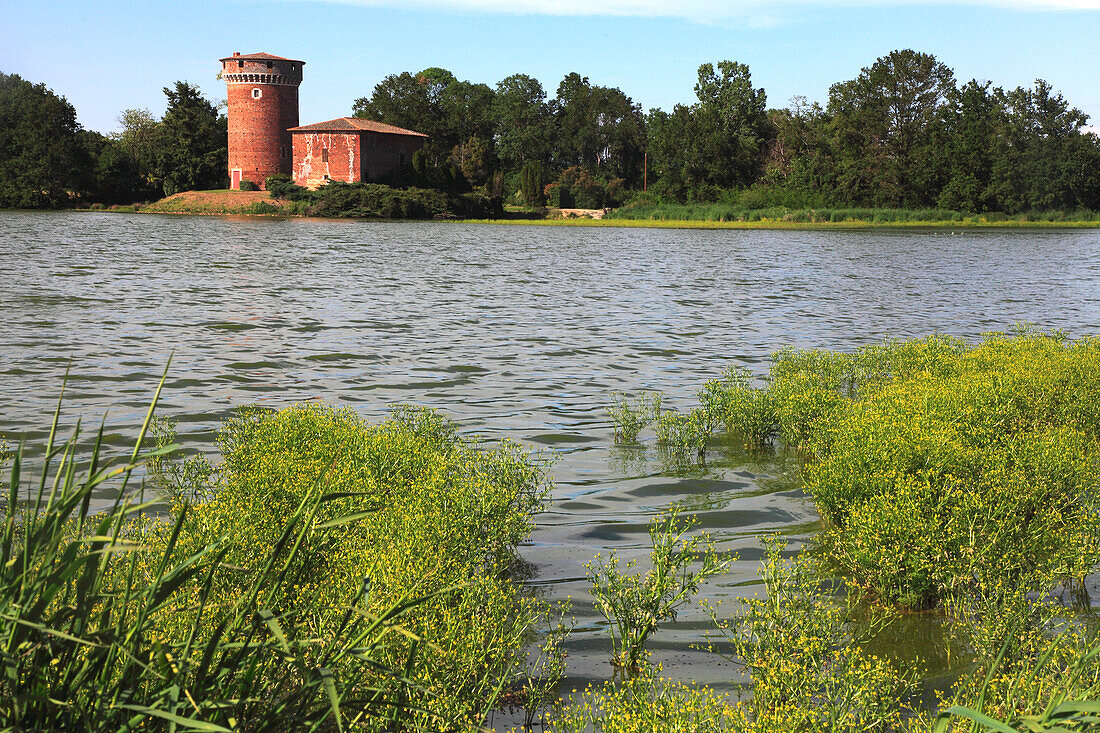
(354, 124)
(259, 57)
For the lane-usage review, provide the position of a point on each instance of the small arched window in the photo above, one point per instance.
(257, 93)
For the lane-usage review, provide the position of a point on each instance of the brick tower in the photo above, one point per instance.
(263, 104)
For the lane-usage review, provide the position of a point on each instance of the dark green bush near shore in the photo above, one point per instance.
(379, 201)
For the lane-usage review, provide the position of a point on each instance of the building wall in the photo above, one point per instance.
(259, 144)
(384, 154)
(311, 169)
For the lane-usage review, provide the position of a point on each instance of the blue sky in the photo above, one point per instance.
(106, 55)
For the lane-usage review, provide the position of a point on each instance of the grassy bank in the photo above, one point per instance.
(969, 222)
(225, 202)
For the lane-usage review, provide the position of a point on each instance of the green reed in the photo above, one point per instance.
(80, 641)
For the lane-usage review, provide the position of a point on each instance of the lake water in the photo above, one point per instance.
(518, 332)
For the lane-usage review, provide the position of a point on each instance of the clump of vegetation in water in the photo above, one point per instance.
(112, 622)
(634, 604)
(330, 574)
(939, 467)
(411, 506)
(631, 415)
(808, 673)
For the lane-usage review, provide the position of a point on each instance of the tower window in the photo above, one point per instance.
(294, 67)
(269, 64)
(257, 93)
(240, 64)
(282, 151)
(324, 155)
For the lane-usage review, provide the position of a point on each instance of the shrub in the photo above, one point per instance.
(533, 180)
(281, 186)
(409, 505)
(377, 201)
(808, 673)
(632, 415)
(634, 605)
(982, 465)
(247, 185)
(649, 703)
(105, 619)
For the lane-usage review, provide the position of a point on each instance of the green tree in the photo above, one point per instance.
(967, 143)
(1044, 161)
(41, 156)
(191, 142)
(456, 116)
(597, 128)
(735, 115)
(883, 129)
(523, 123)
(717, 143)
(800, 156)
(139, 141)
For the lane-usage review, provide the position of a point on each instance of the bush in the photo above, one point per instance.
(247, 185)
(978, 465)
(377, 201)
(281, 186)
(106, 618)
(410, 506)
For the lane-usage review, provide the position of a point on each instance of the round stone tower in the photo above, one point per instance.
(263, 105)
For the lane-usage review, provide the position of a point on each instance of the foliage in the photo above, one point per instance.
(631, 415)
(411, 506)
(533, 179)
(191, 150)
(634, 604)
(39, 145)
(685, 434)
(247, 185)
(281, 186)
(1034, 669)
(84, 597)
(539, 680)
(648, 703)
(955, 467)
(808, 673)
(374, 200)
(917, 453)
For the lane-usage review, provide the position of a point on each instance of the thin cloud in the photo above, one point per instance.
(700, 11)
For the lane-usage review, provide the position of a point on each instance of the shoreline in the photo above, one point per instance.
(791, 225)
(763, 224)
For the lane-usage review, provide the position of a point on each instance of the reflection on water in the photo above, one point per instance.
(515, 332)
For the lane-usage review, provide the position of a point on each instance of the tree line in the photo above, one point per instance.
(48, 160)
(903, 134)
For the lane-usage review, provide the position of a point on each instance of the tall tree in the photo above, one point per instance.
(191, 142)
(41, 156)
(1044, 159)
(522, 117)
(597, 128)
(967, 142)
(883, 127)
(736, 113)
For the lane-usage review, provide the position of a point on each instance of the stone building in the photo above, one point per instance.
(350, 149)
(265, 139)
